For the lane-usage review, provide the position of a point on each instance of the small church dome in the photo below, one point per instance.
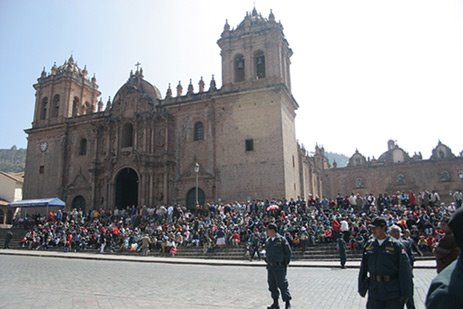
(136, 83)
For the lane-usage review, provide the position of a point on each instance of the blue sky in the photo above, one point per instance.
(363, 72)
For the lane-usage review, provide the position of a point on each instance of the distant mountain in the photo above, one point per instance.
(340, 159)
(12, 160)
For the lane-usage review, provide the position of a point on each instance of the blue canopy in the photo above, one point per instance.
(45, 202)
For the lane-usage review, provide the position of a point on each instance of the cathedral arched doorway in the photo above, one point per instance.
(126, 188)
(79, 203)
(191, 198)
(9, 217)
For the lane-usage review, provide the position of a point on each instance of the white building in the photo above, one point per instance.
(11, 185)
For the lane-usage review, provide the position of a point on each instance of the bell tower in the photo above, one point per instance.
(65, 92)
(255, 54)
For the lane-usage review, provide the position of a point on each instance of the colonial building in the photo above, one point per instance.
(11, 185)
(395, 170)
(235, 142)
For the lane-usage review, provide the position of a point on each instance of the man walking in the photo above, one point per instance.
(385, 270)
(254, 246)
(278, 256)
(458, 197)
(341, 246)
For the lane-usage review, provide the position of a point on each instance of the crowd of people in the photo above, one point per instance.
(304, 223)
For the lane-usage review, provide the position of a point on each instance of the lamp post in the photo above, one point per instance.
(196, 171)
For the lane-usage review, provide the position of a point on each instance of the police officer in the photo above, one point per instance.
(278, 256)
(446, 289)
(385, 270)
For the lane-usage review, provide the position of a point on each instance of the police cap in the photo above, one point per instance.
(378, 221)
(272, 226)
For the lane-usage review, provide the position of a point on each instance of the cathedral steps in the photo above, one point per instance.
(324, 251)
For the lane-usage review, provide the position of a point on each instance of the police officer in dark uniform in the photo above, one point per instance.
(278, 256)
(385, 270)
(446, 289)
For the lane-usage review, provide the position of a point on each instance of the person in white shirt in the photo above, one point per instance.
(345, 230)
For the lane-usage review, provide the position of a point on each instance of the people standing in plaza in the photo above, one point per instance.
(395, 232)
(145, 245)
(254, 246)
(446, 289)
(458, 198)
(278, 256)
(385, 270)
(345, 230)
(8, 237)
(304, 236)
(341, 246)
(446, 250)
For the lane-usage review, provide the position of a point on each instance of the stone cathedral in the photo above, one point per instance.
(145, 149)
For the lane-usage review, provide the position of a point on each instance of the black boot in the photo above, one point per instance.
(275, 305)
(288, 305)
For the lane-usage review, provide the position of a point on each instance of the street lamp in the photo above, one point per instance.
(460, 175)
(197, 171)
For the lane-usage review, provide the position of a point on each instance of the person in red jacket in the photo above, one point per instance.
(336, 226)
(412, 199)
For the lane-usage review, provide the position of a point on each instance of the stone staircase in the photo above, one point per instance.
(325, 251)
(18, 234)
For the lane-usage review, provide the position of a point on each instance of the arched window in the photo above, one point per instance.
(198, 132)
(441, 154)
(83, 147)
(75, 106)
(55, 110)
(9, 217)
(359, 183)
(444, 176)
(44, 109)
(239, 68)
(127, 135)
(79, 203)
(400, 180)
(259, 60)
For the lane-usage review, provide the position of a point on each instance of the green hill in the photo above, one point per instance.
(340, 159)
(12, 160)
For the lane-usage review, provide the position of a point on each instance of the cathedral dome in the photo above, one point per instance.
(137, 84)
(394, 154)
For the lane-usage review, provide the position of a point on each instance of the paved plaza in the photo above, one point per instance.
(44, 282)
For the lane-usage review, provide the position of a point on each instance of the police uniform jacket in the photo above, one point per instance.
(278, 251)
(446, 289)
(408, 245)
(385, 271)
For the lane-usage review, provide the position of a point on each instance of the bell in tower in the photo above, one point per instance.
(255, 51)
(65, 92)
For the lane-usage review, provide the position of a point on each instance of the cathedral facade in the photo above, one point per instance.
(235, 142)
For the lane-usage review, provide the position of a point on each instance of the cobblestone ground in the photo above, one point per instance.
(38, 282)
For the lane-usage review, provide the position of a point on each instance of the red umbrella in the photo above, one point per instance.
(273, 208)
